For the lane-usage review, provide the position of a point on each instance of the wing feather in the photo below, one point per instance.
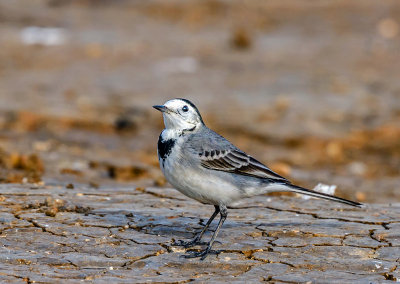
(238, 162)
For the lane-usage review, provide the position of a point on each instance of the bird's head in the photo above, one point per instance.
(180, 114)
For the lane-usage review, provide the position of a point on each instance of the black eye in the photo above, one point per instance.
(185, 108)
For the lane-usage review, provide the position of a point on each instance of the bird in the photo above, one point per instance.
(206, 167)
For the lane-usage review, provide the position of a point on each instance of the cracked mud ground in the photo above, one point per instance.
(52, 233)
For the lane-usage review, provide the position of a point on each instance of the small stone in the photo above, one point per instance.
(241, 39)
(160, 181)
(51, 212)
(70, 186)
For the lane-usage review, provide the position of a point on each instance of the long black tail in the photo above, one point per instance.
(302, 190)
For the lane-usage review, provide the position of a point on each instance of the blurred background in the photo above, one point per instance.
(311, 88)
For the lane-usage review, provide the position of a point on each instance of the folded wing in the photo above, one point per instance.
(238, 162)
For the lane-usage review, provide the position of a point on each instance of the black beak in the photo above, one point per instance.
(161, 108)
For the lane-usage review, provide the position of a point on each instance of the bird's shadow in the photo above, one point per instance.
(176, 227)
(187, 227)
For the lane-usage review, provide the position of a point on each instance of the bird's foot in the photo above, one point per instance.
(202, 254)
(187, 244)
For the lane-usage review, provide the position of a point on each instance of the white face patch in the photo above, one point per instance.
(181, 115)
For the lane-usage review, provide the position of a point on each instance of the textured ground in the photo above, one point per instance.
(51, 233)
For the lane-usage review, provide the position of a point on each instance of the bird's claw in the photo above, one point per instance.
(187, 244)
(202, 254)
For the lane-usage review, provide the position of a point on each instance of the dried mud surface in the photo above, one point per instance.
(52, 233)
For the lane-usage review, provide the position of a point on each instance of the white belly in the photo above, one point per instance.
(199, 183)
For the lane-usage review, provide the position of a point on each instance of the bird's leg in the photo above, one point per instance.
(197, 239)
(203, 254)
